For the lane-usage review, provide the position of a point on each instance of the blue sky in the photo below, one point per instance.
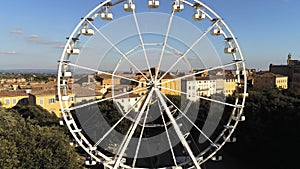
(32, 32)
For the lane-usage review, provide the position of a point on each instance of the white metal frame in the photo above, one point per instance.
(87, 24)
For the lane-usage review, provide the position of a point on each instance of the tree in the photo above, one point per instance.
(31, 139)
(271, 131)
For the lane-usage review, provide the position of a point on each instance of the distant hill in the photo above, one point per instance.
(51, 71)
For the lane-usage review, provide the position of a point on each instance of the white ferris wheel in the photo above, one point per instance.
(151, 84)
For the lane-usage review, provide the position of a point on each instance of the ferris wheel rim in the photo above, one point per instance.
(63, 105)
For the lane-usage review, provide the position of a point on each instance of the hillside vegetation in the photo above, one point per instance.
(31, 138)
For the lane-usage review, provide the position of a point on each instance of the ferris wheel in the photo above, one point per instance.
(152, 84)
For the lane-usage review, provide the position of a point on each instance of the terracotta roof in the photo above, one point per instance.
(43, 92)
(13, 93)
(80, 91)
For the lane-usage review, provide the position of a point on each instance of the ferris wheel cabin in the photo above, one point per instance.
(198, 16)
(216, 32)
(153, 4)
(87, 32)
(106, 16)
(129, 7)
(74, 51)
(230, 50)
(178, 6)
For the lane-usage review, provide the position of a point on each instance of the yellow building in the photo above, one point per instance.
(270, 80)
(169, 86)
(281, 82)
(12, 98)
(48, 100)
(174, 86)
(230, 85)
(107, 81)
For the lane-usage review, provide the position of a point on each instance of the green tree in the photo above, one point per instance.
(271, 131)
(28, 141)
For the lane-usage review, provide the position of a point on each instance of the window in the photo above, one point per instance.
(41, 101)
(7, 101)
(14, 101)
(72, 99)
(52, 100)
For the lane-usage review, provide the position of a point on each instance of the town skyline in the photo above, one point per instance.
(34, 33)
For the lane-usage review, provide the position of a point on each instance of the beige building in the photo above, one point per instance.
(230, 85)
(9, 99)
(270, 80)
(169, 86)
(48, 100)
(291, 70)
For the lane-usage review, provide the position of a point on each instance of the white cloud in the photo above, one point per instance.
(17, 31)
(8, 52)
(36, 39)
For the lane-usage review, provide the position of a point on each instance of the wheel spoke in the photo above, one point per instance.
(204, 98)
(184, 114)
(116, 124)
(118, 50)
(168, 136)
(133, 129)
(179, 53)
(102, 72)
(140, 138)
(177, 129)
(102, 100)
(165, 42)
(189, 49)
(200, 72)
(142, 43)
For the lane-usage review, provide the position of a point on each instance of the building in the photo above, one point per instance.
(107, 81)
(291, 70)
(85, 93)
(201, 86)
(168, 84)
(230, 85)
(48, 100)
(270, 80)
(9, 99)
(131, 102)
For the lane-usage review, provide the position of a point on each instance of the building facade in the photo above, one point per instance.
(291, 70)
(12, 98)
(270, 80)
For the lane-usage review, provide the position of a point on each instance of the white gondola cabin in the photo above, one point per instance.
(229, 50)
(231, 139)
(90, 162)
(178, 7)
(67, 74)
(106, 16)
(73, 143)
(65, 98)
(73, 51)
(242, 118)
(129, 7)
(216, 158)
(87, 32)
(153, 3)
(198, 16)
(61, 122)
(216, 32)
